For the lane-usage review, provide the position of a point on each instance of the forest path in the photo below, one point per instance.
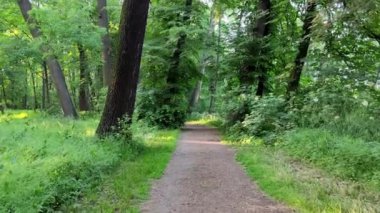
(204, 177)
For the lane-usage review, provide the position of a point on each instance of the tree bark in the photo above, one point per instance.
(107, 45)
(52, 63)
(84, 92)
(263, 30)
(32, 75)
(122, 94)
(195, 94)
(303, 48)
(3, 90)
(25, 98)
(45, 86)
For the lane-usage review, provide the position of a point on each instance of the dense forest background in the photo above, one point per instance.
(301, 76)
(218, 54)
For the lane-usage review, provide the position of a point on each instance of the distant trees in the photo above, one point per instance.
(121, 97)
(173, 73)
(84, 78)
(303, 47)
(262, 29)
(103, 21)
(240, 51)
(52, 63)
(171, 61)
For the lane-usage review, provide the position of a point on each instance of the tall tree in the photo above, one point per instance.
(303, 48)
(84, 92)
(106, 40)
(263, 30)
(214, 76)
(172, 77)
(45, 86)
(195, 95)
(122, 94)
(52, 63)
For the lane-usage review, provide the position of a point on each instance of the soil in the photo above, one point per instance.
(203, 176)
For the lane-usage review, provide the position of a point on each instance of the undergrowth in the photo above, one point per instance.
(302, 187)
(129, 184)
(48, 162)
(333, 130)
(342, 156)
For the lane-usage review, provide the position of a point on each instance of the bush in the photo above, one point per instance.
(342, 110)
(324, 102)
(161, 109)
(268, 119)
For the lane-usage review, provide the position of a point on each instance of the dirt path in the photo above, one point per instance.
(204, 177)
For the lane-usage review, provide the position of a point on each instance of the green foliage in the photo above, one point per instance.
(162, 102)
(322, 103)
(205, 119)
(265, 117)
(155, 109)
(361, 124)
(268, 118)
(342, 156)
(131, 180)
(48, 161)
(301, 187)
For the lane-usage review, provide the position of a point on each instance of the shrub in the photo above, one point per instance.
(325, 102)
(268, 118)
(161, 109)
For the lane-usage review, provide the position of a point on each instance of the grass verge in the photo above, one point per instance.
(304, 187)
(207, 120)
(47, 163)
(130, 183)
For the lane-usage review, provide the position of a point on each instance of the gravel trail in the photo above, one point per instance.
(203, 176)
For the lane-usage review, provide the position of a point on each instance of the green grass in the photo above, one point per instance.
(130, 184)
(342, 156)
(207, 120)
(301, 186)
(48, 162)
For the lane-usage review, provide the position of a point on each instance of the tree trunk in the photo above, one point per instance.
(198, 87)
(3, 90)
(194, 99)
(25, 98)
(122, 94)
(214, 79)
(240, 18)
(32, 75)
(263, 30)
(52, 63)
(107, 46)
(84, 93)
(303, 48)
(172, 78)
(45, 87)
